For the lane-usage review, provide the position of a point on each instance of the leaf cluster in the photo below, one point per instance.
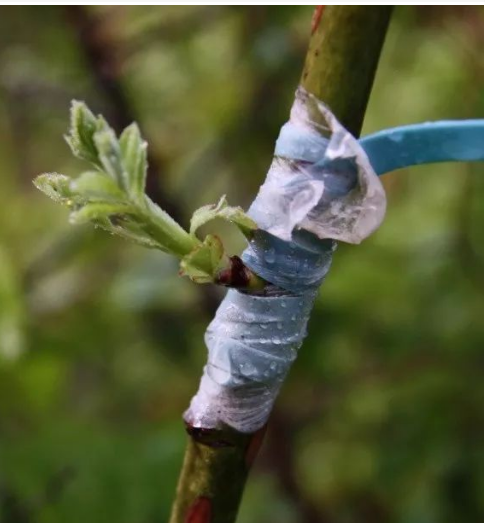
(111, 195)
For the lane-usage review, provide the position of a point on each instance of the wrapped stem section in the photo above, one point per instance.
(319, 188)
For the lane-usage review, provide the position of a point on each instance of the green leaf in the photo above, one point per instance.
(125, 220)
(101, 213)
(109, 152)
(205, 261)
(81, 133)
(129, 228)
(113, 197)
(134, 157)
(96, 186)
(222, 210)
(56, 186)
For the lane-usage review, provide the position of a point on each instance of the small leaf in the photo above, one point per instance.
(205, 261)
(100, 213)
(130, 229)
(109, 152)
(96, 186)
(113, 197)
(56, 186)
(81, 133)
(222, 210)
(238, 217)
(134, 157)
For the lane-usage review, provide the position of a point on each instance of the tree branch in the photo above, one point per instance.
(342, 59)
(339, 69)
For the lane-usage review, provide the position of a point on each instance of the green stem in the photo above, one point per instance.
(214, 473)
(339, 69)
(177, 241)
(342, 59)
(167, 231)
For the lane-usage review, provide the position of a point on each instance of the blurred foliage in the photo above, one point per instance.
(101, 345)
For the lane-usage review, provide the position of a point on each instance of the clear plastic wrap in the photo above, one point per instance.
(252, 342)
(320, 180)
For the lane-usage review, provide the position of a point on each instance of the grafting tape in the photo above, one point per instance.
(322, 186)
(429, 142)
(319, 184)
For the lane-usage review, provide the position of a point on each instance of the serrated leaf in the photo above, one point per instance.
(114, 198)
(235, 215)
(238, 217)
(81, 133)
(56, 186)
(134, 156)
(109, 152)
(96, 186)
(205, 261)
(119, 219)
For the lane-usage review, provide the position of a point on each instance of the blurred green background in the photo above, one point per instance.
(101, 344)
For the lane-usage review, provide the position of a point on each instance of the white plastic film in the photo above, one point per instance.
(252, 342)
(320, 180)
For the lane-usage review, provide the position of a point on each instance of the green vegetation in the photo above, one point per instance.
(113, 197)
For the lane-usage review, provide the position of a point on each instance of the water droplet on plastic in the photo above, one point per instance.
(279, 325)
(270, 255)
(247, 369)
(283, 304)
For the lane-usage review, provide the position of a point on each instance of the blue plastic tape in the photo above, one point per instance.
(445, 141)
(322, 183)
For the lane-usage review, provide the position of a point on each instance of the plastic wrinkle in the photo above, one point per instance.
(320, 184)
(320, 180)
(252, 342)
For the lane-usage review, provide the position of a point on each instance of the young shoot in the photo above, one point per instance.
(111, 195)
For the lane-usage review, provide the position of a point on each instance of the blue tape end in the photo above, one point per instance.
(430, 142)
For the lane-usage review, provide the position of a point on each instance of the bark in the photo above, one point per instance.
(339, 69)
(342, 59)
